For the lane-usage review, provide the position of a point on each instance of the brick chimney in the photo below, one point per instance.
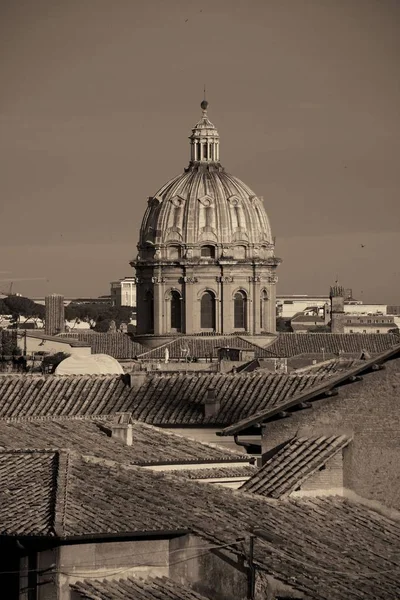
(337, 295)
(211, 403)
(121, 428)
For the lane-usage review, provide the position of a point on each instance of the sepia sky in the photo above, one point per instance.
(98, 98)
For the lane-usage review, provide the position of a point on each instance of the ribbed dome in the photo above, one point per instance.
(205, 204)
(205, 262)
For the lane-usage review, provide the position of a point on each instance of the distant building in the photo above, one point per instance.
(77, 300)
(371, 323)
(365, 309)
(288, 306)
(55, 317)
(123, 292)
(393, 309)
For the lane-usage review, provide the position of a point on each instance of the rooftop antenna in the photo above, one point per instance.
(204, 92)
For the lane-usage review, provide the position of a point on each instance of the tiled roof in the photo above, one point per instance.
(202, 346)
(330, 367)
(319, 389)
(293, 344)
(321, 546)
(117, 345)
(75, 343)
(218, 472)
(168, 400)
(28, 484)
(293, 464)
(150, 444)
(302, 318)
(131, 588)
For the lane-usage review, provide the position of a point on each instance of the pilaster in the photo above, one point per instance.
(159, 302)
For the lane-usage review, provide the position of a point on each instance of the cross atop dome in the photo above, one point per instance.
(204, 141)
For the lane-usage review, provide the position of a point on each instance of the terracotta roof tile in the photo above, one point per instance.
(316, 545)
(218, 472)
(330, 367)
(167, 400)
(150, 444)
(328, 382)
(131, 588)
(293, 464)
(119, 345)
(293, 344)
(27, 491)
(202, 346)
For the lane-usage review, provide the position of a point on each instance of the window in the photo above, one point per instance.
(288, 302)
(176, 311)
(207, 252)
(207, 311)
(263, 310)
(351, 331)
(378, 331)
(364, 331)
(240, 311)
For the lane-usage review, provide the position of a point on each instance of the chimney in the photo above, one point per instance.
(121, 428)
(135, 379)
(211, 403)
(337, 295)
(327, 314)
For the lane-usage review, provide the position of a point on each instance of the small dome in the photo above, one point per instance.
(93, 364)
(204, 105)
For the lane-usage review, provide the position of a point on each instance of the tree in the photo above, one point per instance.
(9, 343)
(51, 361)
(99, 316)
(3, 307)
(89, 313)
(19, 306)
(283, 325)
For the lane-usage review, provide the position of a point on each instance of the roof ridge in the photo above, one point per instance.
(165, 345)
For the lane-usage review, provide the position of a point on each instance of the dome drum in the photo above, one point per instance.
(205, 253)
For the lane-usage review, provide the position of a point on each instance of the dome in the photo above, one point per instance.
(206, 204)
(205, 262)
(94, 364)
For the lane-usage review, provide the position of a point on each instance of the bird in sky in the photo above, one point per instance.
(186, 20)
(362, 245)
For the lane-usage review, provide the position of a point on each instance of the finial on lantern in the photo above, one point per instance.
(204, 103)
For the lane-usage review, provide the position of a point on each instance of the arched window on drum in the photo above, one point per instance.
(176, 311)
(207, 311)
(263, 310)
(240, 310)
(207, 252)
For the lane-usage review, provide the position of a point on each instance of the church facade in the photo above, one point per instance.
(205, 262)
